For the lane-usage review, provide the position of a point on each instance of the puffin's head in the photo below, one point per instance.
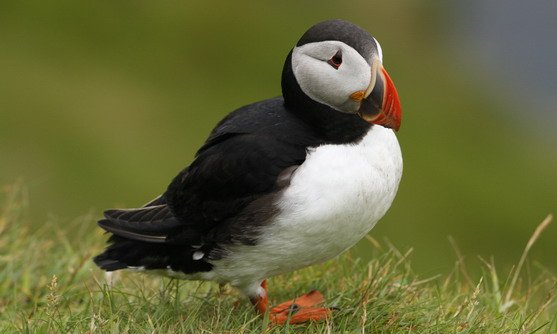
(339, 65)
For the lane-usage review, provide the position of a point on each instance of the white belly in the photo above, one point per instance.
(335, 197)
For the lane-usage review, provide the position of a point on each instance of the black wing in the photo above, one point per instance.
(241, 161)
(246, 157)
(222, 197)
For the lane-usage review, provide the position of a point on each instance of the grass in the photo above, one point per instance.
(48, 284)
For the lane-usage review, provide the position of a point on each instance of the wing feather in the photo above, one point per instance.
(151, 224)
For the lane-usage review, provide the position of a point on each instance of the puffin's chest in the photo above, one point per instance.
(334, 198)
(337, 195)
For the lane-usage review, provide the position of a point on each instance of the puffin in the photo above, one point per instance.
(279, 184)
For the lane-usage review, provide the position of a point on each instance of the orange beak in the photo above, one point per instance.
(380, 103)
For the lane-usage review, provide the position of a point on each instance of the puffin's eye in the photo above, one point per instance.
(336, 60)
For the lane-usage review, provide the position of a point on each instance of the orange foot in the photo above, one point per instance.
(302, 309)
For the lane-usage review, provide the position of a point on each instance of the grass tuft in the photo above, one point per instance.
(49, 284)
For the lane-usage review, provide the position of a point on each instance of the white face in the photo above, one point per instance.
(327, 80)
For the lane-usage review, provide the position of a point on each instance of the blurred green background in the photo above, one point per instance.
(103, 102)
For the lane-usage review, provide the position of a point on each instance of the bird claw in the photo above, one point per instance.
(302, 309)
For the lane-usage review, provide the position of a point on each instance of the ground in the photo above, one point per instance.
(49, 284)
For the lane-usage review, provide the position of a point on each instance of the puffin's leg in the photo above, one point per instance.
(302, 309)
(260, 301)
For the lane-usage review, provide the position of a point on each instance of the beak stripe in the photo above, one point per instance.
(358, 96)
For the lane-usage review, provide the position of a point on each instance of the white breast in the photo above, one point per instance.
(335, 197)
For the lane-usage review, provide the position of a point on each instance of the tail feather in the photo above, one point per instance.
(139, 240)
(150, 224)
(124, 253)
(108, 264)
